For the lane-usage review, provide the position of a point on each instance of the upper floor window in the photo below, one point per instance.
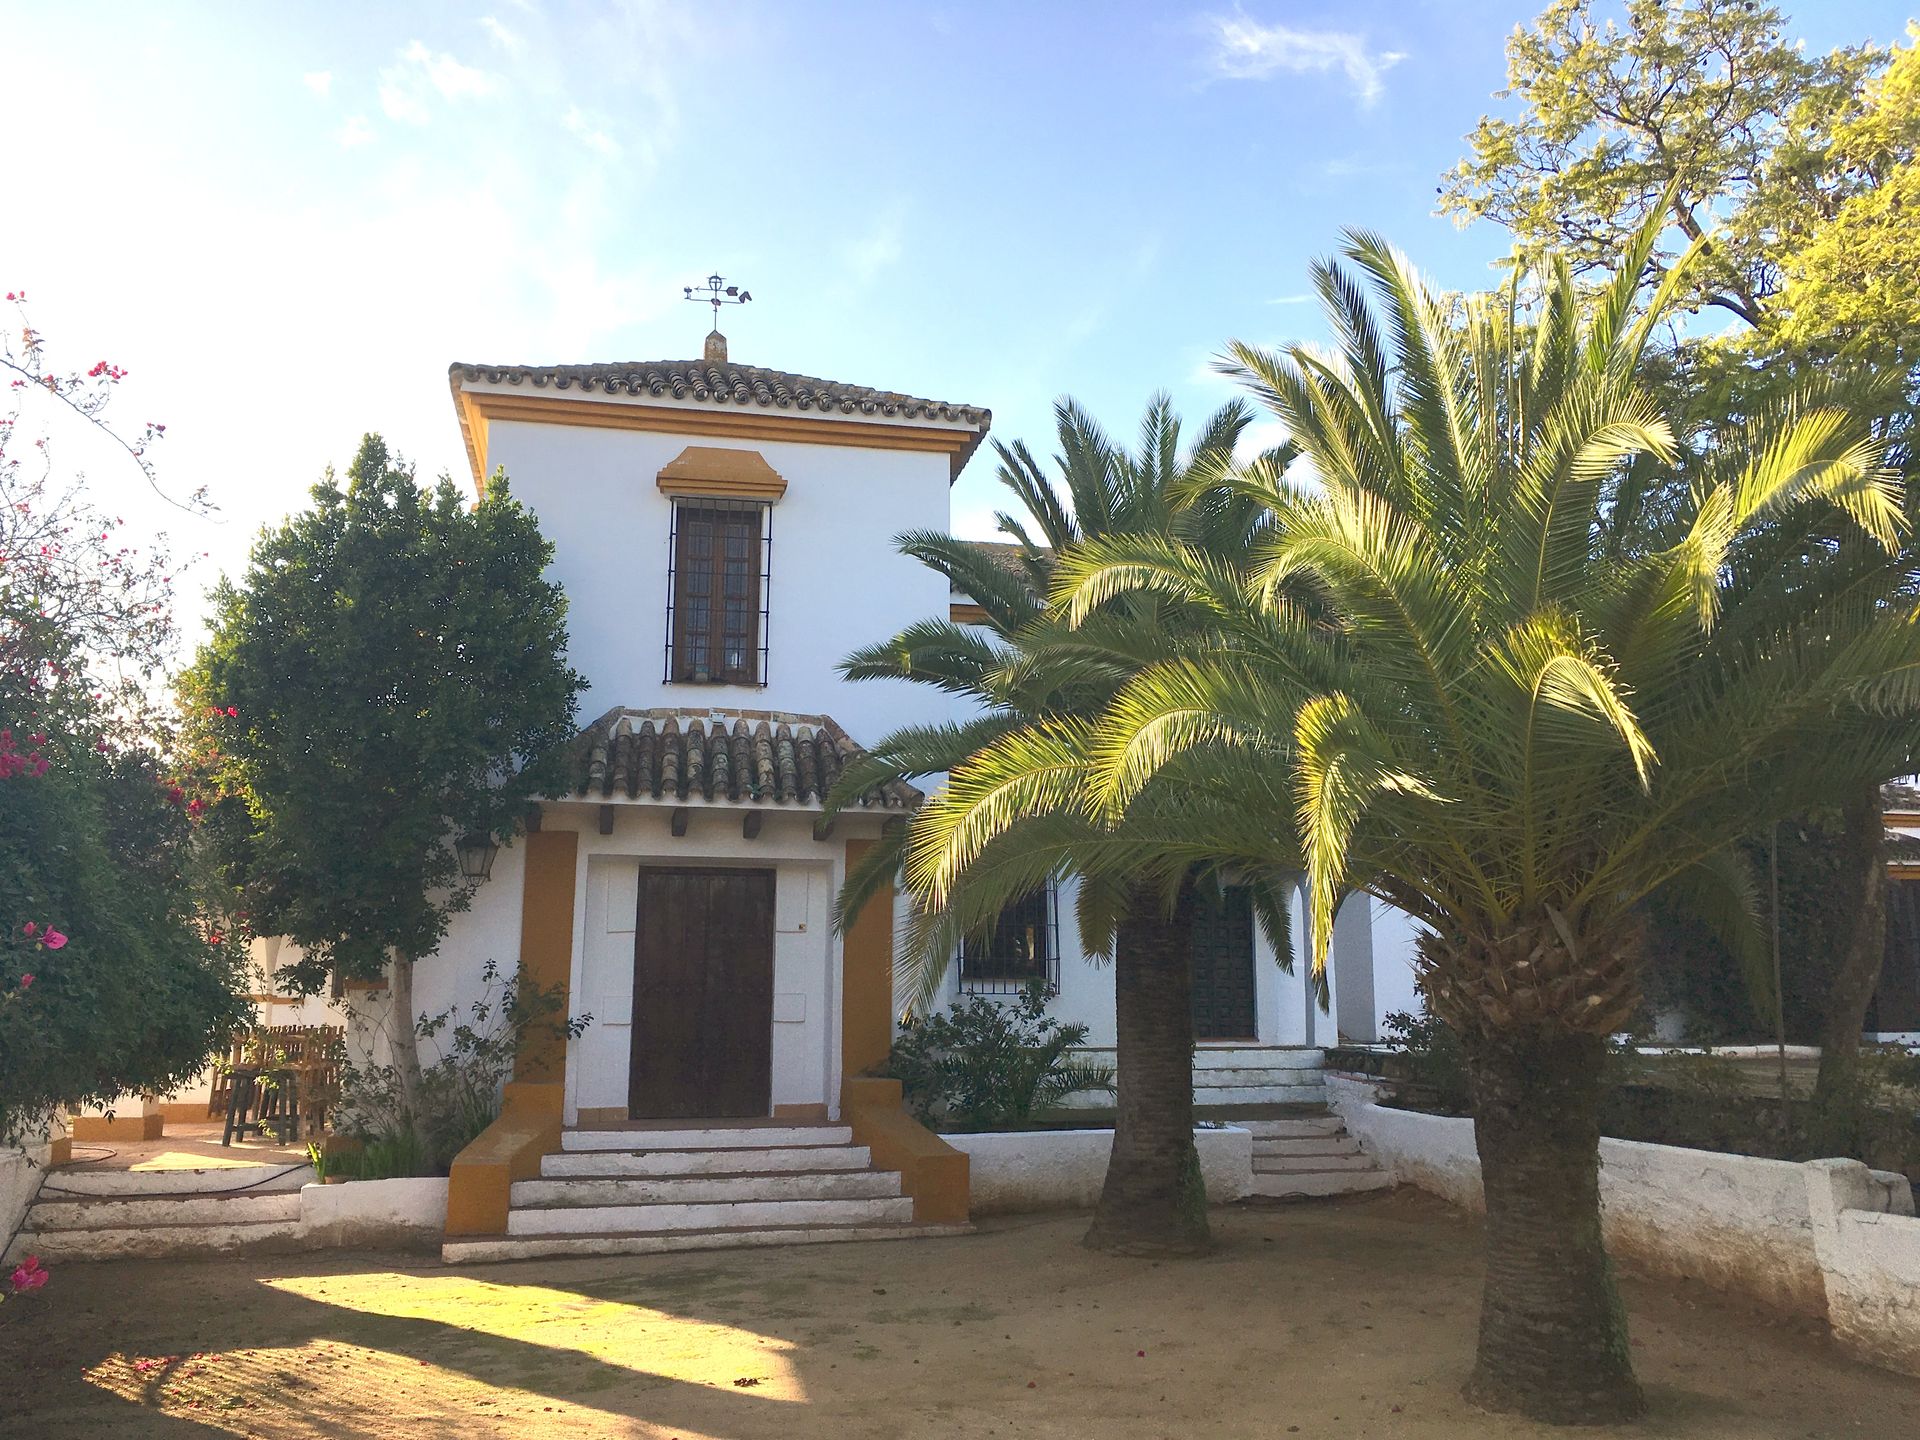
(717, 591)
(1022, 948)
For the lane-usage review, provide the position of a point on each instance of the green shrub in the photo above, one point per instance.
(459, 1094)
(989, 1064)
(1432, 1069)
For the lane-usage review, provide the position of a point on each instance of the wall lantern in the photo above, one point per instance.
(476, 852)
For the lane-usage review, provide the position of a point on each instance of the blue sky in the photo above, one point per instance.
(286, 222)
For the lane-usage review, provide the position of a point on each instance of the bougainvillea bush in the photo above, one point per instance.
(118, 971)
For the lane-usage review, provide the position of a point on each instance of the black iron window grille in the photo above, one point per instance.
(1023, 947)
(719, 588)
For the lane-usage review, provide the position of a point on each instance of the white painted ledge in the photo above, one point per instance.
(1016, 1170)
(1827, 1238)
(374, 1213)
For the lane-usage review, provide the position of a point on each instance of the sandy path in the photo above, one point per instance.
(1344, 1320)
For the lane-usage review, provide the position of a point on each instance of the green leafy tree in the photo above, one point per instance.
(1702, 113)
(389, 675)
(1852, 282)
(1517, 723)
(1029, 676)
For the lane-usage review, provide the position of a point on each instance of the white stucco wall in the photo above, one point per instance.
(1010, 1171)
(1393, 933)
(1285, 1010)
(837, 581)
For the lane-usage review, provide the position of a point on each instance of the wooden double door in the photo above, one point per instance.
(702, 995)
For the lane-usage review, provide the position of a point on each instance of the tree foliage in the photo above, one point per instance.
(119, 971)
(388, 675)
(1701, 112)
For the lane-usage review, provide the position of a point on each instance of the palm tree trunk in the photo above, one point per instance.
(1553, 1334)
(1153, 1202)
(1835, 1098)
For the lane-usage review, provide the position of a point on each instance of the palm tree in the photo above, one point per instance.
(1517, 728)
(1141, 911)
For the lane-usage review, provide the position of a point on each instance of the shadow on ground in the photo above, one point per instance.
(1348, 1319)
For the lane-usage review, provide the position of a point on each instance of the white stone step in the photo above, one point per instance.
(1257, 1057)
(1307, 1164)
(739, 1215)
(1302, 1094)
(1305, 1145)
(539, 1247)
(1321, 1182)
(1215, 1076)
(150, 1242)
(736, 1137)
(1293, 1127)
(249, 1179)
(689, 1189)
(110, 1213)
(789, 1159)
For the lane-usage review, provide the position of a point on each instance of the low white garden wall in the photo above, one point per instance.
(1016, 1170)
(1870, 1257)
(1830, 1237)
(20, 1172)
(374, 1213)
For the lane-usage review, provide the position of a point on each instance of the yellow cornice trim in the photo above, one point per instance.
(479, 408)
(965, 614)
(709, 470)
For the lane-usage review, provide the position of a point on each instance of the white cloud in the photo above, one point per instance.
(506, 39)
(356, 132)
(406, 89)
(1244, 49)
(320, 82)
(1300, 299)
(588, 133)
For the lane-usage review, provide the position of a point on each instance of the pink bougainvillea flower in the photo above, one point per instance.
(53, 939)
(29, 929)
(28, 1275)
(25, 981)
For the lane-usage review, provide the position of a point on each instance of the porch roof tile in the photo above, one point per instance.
(742, 757)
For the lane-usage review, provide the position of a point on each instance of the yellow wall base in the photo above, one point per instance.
(186, 1110)
(60, 1152)
(481, 1180)
(935, 1174)
(116, 1127)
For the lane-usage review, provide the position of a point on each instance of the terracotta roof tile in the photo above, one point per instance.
(725, 383)
(750, 757)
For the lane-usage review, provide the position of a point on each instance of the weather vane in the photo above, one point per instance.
(716, 292)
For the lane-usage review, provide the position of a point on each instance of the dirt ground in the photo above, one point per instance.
(1322, 1320)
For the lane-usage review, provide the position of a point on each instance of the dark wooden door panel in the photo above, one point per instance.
(702, 995)
(1223, 966)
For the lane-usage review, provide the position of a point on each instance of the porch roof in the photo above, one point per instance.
(740, 757)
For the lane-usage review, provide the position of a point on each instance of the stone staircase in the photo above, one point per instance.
(640, 1191)
(82, 1214)
(1310, 1153)
(1258, 1075)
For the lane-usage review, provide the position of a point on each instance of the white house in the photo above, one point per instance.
(725, 537)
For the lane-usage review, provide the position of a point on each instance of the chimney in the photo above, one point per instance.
(716, 348)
